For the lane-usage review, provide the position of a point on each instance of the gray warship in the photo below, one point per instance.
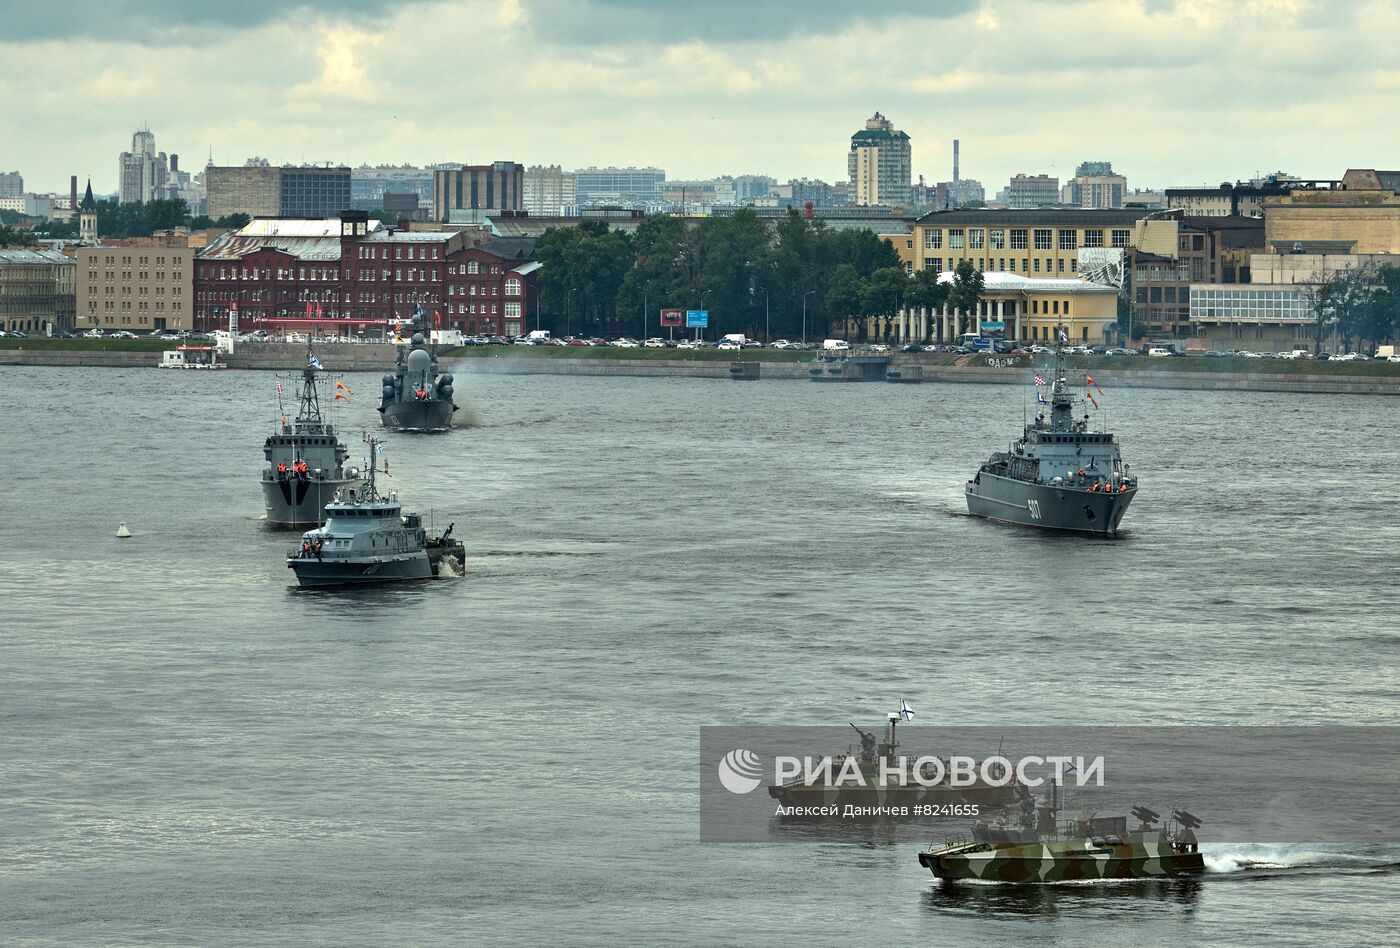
(1059, 475)
(870, 777)
(415, 397)
(367, 539)
(305, 460)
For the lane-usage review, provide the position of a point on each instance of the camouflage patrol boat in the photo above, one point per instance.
(368, 539)
(1044, 850)
(415, 397)
(305, 460)
(1059, 475)
(858, 779)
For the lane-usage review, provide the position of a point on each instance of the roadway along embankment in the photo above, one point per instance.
(1318, 378)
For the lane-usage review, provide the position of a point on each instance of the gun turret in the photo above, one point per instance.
(867, 744)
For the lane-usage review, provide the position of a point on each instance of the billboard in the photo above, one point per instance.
(673, 317)
(697, 318)
(994, 326)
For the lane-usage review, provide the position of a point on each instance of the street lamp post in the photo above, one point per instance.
(643, 337)
(804, 315)
(568, 312)
(702, 306)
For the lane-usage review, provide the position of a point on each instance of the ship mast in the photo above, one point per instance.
(370, 494)
(309, 410)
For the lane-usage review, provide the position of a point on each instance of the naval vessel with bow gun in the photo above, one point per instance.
(305, 459)
(1060, 474)
(415, 397)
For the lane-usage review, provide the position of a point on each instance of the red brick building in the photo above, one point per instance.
(353, 275)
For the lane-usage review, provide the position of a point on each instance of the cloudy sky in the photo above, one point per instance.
(1171, 91)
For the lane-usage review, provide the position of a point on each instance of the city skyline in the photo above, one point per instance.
(1027, 87)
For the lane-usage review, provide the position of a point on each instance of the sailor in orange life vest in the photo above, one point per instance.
(421, 393)
(282, 469)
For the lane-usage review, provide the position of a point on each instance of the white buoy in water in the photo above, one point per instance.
(122, 531)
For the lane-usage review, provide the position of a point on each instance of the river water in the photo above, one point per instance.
(192, 752)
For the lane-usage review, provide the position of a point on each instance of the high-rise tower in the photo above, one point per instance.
(877, 164)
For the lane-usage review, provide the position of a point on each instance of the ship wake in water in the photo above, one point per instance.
(1285, 859)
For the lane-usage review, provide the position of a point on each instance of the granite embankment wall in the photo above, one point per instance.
(1201, 381)
(378, 358)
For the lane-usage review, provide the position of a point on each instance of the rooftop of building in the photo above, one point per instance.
(510, 248)
(386, 236)
(306, 238)
(531, 227)
(34, 256)
(295, 227)
(876, 135)
(998, 282)
(1078, 217)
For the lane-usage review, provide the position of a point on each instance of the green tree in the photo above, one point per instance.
(14, 236)
(1130, 324)
(884, 293)
(165, 214)
(845, 297)
(732, 249)
(1379, 318)
(968, 284)
(583, 270)
(657, 279)
(1351, 302)
(233, 221)
(1337, 301)
(57, 230)
(925, 290)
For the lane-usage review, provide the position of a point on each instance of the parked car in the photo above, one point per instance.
(729, 344)
(624, 343)
(122, 334)
(687, 344)
(654, 343)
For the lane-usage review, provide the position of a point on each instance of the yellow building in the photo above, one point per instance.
(1019, 308)
(1040, 243)
(1362, 216)
(898, 234)
(141, 287)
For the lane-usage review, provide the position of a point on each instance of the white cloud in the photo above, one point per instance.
(1199, 90)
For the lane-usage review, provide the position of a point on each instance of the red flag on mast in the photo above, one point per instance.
(1089, 379)
(308, 309)
(1090, 395)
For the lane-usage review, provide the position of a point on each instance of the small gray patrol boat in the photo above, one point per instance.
(368, 539)
(305, 460)
(415, 397)
(1059, 475)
